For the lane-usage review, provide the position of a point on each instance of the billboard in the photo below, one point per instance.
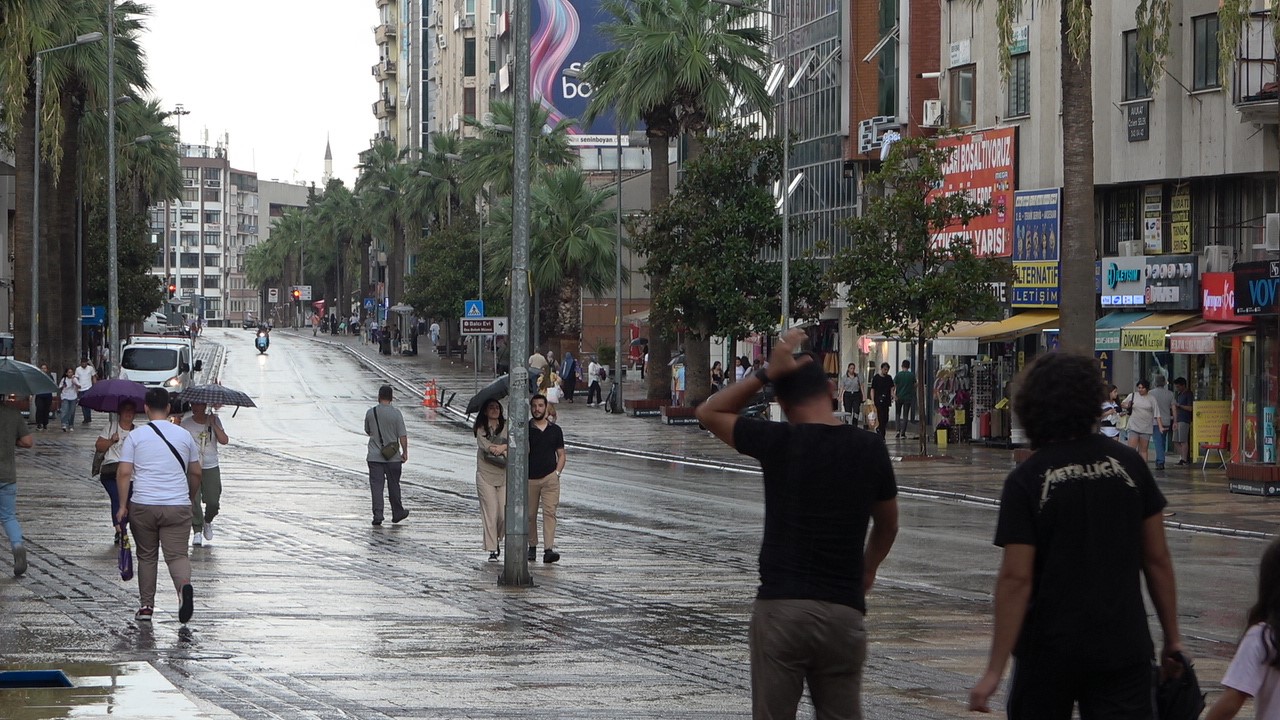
(1036, 229)
(983, 165)
(565, 36)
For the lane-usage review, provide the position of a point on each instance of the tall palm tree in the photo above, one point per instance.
(384, 176)
(677, 67)
(489, 160)
(338, 223)
(571, 248)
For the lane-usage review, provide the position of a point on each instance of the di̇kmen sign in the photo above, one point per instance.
(1143, 339)
(1257, 290)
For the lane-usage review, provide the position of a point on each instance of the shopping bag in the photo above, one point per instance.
(126, 558)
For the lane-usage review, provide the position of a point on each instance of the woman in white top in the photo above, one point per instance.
(109, 442)
(1144, 415)
(1110, 425)
(1253, 672)
(69, 391)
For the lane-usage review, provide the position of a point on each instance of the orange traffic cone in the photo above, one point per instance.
(429, 395)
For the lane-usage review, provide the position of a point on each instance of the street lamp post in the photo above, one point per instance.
(113, 245)
(35, 203)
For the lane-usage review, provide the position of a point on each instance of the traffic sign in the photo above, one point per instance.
(273, 295)
(484, 326)
(368, 304)
(473, 309)
(305, 290)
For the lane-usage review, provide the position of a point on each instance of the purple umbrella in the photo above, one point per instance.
(106, 395)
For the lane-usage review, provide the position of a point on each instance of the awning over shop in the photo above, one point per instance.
(1199, 339)
(1106, 333)
(965, 337)
(1151, 333)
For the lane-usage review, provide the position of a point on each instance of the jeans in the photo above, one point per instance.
(9, 512)
(882, 417)
(794, 642)
(68, 412)
(88, 414)
(388, 474)
(906, 415)
(1158, 439)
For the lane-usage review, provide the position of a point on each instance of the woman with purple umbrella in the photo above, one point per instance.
(110, 442)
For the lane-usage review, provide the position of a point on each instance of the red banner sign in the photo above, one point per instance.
(983, 165)
(1218, 297)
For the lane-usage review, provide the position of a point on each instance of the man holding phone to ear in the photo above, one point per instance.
(824, 483)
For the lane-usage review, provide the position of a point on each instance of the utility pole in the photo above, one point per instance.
(113, 245)
(515, 568)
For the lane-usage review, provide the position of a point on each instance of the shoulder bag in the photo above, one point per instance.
(389, 449)
(96, 468)
(172, 449)
(494, 458)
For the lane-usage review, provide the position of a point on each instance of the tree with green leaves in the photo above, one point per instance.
(678, 66)
(708, 241)
(906, 277)
(450, 274)
(488, 165)
(384, 175)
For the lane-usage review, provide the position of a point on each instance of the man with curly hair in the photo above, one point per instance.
(1081, 525)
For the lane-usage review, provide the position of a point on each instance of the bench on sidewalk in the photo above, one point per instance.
(678, 415)
(643, 407)
(458, 351)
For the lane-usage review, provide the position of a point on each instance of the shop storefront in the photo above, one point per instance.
(976, 363)
(1252, 429)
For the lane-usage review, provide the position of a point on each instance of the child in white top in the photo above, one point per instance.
(1255, 670)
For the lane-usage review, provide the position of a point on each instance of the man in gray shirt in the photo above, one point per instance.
(384, 425)
(1164, 401)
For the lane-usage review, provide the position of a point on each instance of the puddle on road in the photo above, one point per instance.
(133, 690)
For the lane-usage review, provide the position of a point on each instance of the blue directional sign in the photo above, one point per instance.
(368, 304)
(473, 309)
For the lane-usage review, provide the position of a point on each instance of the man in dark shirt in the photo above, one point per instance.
(882, 396)
(546, 461)
(824, 482)
(1183, 404)
(1080, 523)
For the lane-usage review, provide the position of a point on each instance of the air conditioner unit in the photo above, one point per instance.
(932, 114)
(1217, 258)
(487, 118)
(468, 23)
(1130, 248)
(188, 182)
(440, 40)
(493, 81)
(1271, 232)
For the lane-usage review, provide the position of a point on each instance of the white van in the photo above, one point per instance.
(159, 361)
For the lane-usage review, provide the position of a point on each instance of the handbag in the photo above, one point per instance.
(493, 459)
(125, 562)
(389, 450)
(1179, 698)
(95, 469)
(1122, 422)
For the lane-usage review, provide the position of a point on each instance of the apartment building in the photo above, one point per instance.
(201, 237)
(274, 199)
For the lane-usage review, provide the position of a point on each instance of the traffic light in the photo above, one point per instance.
(173, 289)
(297, 294)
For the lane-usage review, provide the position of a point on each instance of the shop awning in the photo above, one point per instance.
(1106, 333)
(1151, 333)
(965, 337)
(1199, 339)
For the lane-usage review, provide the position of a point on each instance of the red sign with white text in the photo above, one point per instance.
(983, 165)
(1218, 297)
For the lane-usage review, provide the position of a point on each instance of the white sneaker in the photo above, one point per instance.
(197, 539)
(208, 531)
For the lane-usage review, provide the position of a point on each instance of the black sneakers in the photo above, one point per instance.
(493, 556)
(533, 553)
(550, 556)
(187, 605)
(397, 517)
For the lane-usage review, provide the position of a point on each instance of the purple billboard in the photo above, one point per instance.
(565, 36)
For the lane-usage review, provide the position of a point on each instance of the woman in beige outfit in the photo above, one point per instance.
(491, 477)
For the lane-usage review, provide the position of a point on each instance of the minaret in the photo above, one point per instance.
(328, 162)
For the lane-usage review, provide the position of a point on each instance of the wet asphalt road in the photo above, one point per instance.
(305, 610)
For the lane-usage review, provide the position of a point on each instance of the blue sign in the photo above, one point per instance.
(1036, 229)
(565, 36)
(95, 315)
(473, 309)
(368, 304)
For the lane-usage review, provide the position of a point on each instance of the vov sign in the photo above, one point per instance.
(1258, 288)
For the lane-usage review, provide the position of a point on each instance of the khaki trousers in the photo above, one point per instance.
(544, 491)
(156, 528)
(797, 641)
(493, 512)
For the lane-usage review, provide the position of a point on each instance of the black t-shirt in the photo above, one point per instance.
(820, 482)
(881, 389)
(1082, 505)
(543, 445)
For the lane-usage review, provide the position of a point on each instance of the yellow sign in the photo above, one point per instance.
(1180, 216)
(1142, 339)
(1207, 419)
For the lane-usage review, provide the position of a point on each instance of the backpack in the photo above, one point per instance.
(602, 374)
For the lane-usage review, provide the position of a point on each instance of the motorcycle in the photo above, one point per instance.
(262, 342)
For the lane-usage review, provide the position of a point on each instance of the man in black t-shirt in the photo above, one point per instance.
(1081, 525)
(882, 395)
(546, 461)
(824, 483)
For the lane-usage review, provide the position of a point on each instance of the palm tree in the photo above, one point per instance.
(384, 175)
(337, 223)
(75, 84)
(677, 67)
(571, 248)
(489, 160)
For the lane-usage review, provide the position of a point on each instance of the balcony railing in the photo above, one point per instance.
(383, 109)
(384, 70)
(384, 33)
(1256, 90)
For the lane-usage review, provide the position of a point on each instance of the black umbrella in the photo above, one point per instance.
(19, 378)
(215, 395)
(639, 341)
(495, 390)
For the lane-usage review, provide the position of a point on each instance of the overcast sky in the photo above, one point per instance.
(277, 75)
